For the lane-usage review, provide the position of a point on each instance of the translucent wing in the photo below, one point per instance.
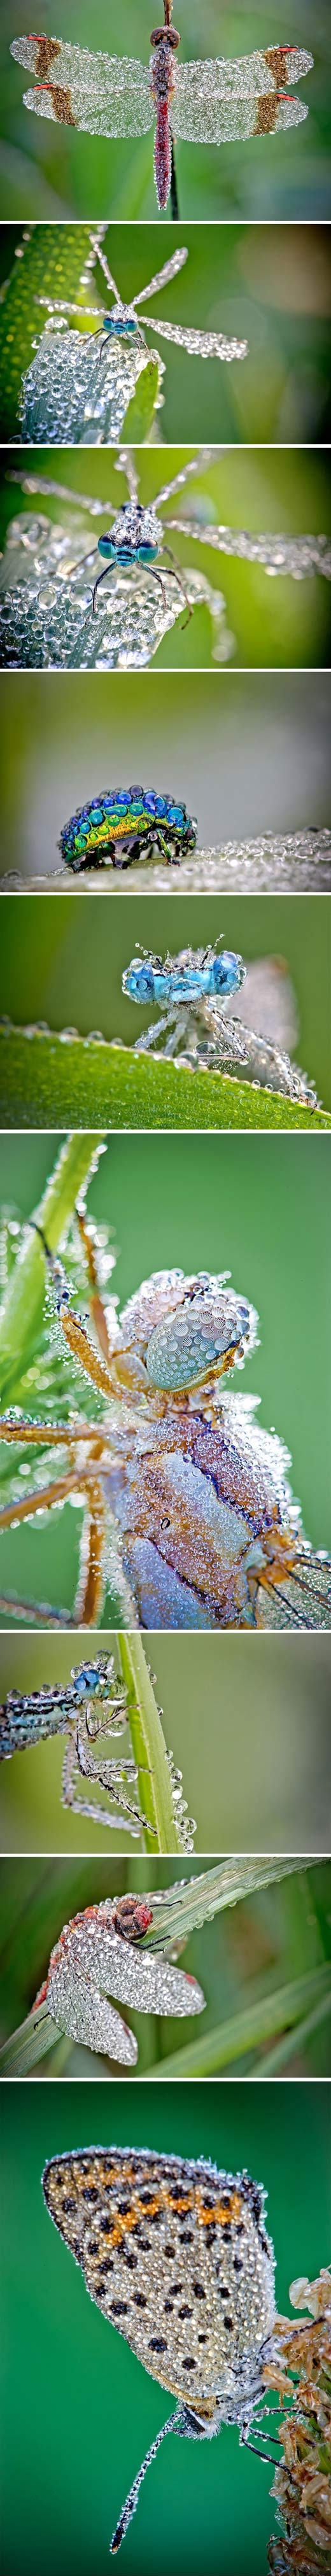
(98, 92)
(230, 102)
(200, 344)
(266, 1002)
(278, 554)
(163, 276)
(157, 2240)
(303, 1599)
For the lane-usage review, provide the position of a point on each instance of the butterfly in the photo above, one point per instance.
(177, 2256)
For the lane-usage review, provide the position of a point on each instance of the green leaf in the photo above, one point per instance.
(139, 417)
(51, 262)
(23, 1301)
(247, 2029)
(46, 1079)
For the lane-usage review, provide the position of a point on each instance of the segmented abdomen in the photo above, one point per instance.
(162, 154)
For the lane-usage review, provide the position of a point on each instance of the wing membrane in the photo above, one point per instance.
(203, 111)
(303, 1600)
(97, 92)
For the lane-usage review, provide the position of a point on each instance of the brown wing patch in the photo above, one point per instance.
(276, 59)
(47, 49)
(266, 113)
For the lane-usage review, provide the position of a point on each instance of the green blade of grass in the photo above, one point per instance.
(52, 262)
(48, 1079)
(184, 1909)
(247, 2029)
(149, 1748)
(22, 1304)
(276, 2058)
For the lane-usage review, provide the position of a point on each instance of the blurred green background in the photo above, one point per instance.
(64, 964)
(246, 1955)
(249, 752)
(46, 170)
(276, 622)
(260, 1207)
(269, 285)
(248, 1721)
(78, 2412)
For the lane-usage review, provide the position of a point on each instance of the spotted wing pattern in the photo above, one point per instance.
(177, 2256)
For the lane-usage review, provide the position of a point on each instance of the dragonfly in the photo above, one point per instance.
(186, 1504)
(194, 989)
(92, 1703)
(200, 102)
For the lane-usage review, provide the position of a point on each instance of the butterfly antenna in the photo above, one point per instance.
(129, 2507)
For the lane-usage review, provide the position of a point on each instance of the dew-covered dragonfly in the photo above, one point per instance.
(194, 990)
(200, 102)
(91, 1704)
(186, 1505)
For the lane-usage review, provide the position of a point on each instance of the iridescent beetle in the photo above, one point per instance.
(120, 823)
(194, 989)
(91, 1704)
(202, 102)
(187, 1508)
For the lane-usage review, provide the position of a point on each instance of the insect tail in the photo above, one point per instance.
(129, 2507)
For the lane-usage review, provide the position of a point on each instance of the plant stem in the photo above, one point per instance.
(182, 1909)
(149, 1748)
(22, 1302)
(247, 2029)
(34, 2037)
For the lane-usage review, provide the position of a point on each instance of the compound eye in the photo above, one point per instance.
(157, 37)
(190, 1343)
(173, 39)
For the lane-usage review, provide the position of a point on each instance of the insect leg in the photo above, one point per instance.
(141, 1044)
(176, 576)
(101, 576)
(89, 1243)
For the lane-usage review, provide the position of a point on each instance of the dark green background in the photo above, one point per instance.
(78, 2410)
(49, 171)
(248, 1953)
(269, 285)
(247, 1717)
(258, 1207)
(64, 963)
(275, 622)
(249, 752)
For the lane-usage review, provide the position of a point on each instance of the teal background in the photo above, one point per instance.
(249, 752)
(46, 170)
(78, 2412)
(275, 622)
(247, 1953)
(64, 964)
(269, 285)
(247, 1717)
(258, 1207)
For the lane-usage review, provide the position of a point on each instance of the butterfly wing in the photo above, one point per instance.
(218, 102)
(177, 2256)
(97, 92)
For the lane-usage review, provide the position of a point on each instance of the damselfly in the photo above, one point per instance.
(194, 989)
(78, 386)
(90, 1705)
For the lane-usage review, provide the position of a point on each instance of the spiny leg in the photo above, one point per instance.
(92, 1567)
(99, 1318)
(176, 576)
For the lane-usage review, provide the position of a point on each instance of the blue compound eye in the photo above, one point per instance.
(140, 984)
(227, 973)
(106, 548)
(147, 553)
(86, 1678)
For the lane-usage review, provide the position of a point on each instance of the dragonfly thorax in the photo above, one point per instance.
(135, 536)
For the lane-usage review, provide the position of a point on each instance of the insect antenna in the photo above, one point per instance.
(129, 2507)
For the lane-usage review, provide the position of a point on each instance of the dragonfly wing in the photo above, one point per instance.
(200, 344)
(206, 110)
(302, 1599)
(97, 92)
